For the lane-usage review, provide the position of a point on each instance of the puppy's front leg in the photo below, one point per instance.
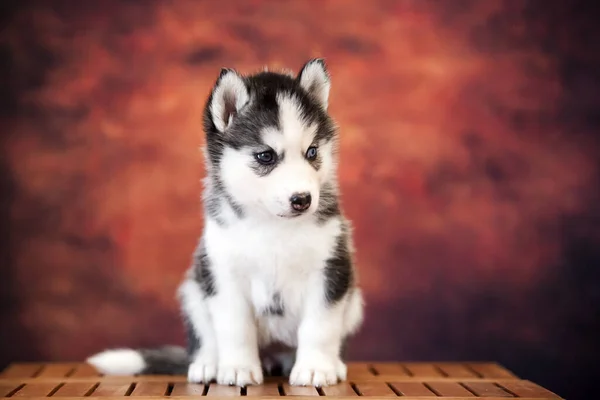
(235, 331)
(320, 336)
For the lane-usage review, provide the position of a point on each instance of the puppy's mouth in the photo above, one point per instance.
(289, 216)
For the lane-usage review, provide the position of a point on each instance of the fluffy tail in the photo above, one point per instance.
(168, 360)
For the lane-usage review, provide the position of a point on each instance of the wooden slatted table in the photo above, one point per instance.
(451, 381)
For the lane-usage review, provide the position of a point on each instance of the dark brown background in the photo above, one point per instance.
(470, 167)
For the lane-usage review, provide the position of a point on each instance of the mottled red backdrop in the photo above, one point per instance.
(469, 165)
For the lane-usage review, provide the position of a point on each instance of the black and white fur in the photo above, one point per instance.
(272, 286)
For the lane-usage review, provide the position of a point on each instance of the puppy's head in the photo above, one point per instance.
(270, 140)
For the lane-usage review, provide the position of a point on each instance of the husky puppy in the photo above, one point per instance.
(272, 288)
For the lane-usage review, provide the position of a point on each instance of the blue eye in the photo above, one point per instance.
(311, 153)
(266, 157)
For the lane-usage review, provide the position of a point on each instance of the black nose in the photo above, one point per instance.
(300, 201)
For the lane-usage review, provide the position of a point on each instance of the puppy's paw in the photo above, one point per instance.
(341, 370)
(202, 370)
(318, 370)
(240, 375)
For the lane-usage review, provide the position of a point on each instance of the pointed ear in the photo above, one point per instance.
(229, 95)
(314, 78)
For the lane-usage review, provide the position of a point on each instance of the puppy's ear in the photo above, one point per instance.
(229, 95)
(314, 78)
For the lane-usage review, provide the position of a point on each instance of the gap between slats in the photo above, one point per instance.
(15, 371)
(77, 389)
(37, 390)
(10, 390)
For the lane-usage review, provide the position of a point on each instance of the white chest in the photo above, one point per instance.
(273, 265)
(277, 250)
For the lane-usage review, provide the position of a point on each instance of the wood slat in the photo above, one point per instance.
(36, 389)
(20, 371)
(490, 370)
(356, 372)
(378, 389)
(268, 389)
(77, 389)
(56, 370)
(390, 369)
(8, 388)
(528, 389)
(487, 389)
(223, 390)
(111, 389)
(457, 371)
(299, 390)
(359, 370)
(449, 389)
(341, 389)
(412, 389)
(25, 370)
(150, 389)
(84, 371)
(419, 370)
(188, 389)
